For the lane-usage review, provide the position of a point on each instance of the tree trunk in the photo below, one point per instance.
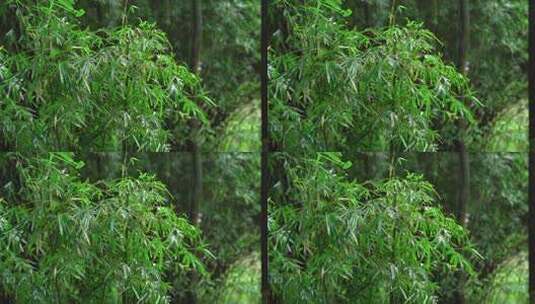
(464, 182)
(196, 186)
(462, 202)
(367, 13)
(194, 214)
(196, 158)
(434, 15)
(428, 8)
(464, 162)
(393, 11)
(464, 35)
(196, 36)
(4, 298)
(364, 20)
(99, 13)
(195, 149)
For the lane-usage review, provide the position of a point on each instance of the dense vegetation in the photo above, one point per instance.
(379, 113)
(124, 85)
(129, 133)
(112, 84)
(116, 228)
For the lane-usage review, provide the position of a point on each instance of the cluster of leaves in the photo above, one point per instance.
(69, 240)
(229, 56)
(337, 85)
(64, 87)
(333, 88)
(121, 85)
(497, 54)
(228, 213)
(496, 213)
(333, 239)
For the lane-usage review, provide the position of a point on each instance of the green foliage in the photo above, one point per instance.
(72, 241)
(496, 213)
(93, 76)
(241, 283)
(500, 196)
(333, 239)
(231, 205)
(65, 87)
(230, 222)
(497, 54)
(230, 53)
(509, 131)
(228, 211)
(242, 131)
(509, 284)
(333, 88)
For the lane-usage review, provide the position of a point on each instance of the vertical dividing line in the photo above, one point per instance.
(266, 292)
(531, 187)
